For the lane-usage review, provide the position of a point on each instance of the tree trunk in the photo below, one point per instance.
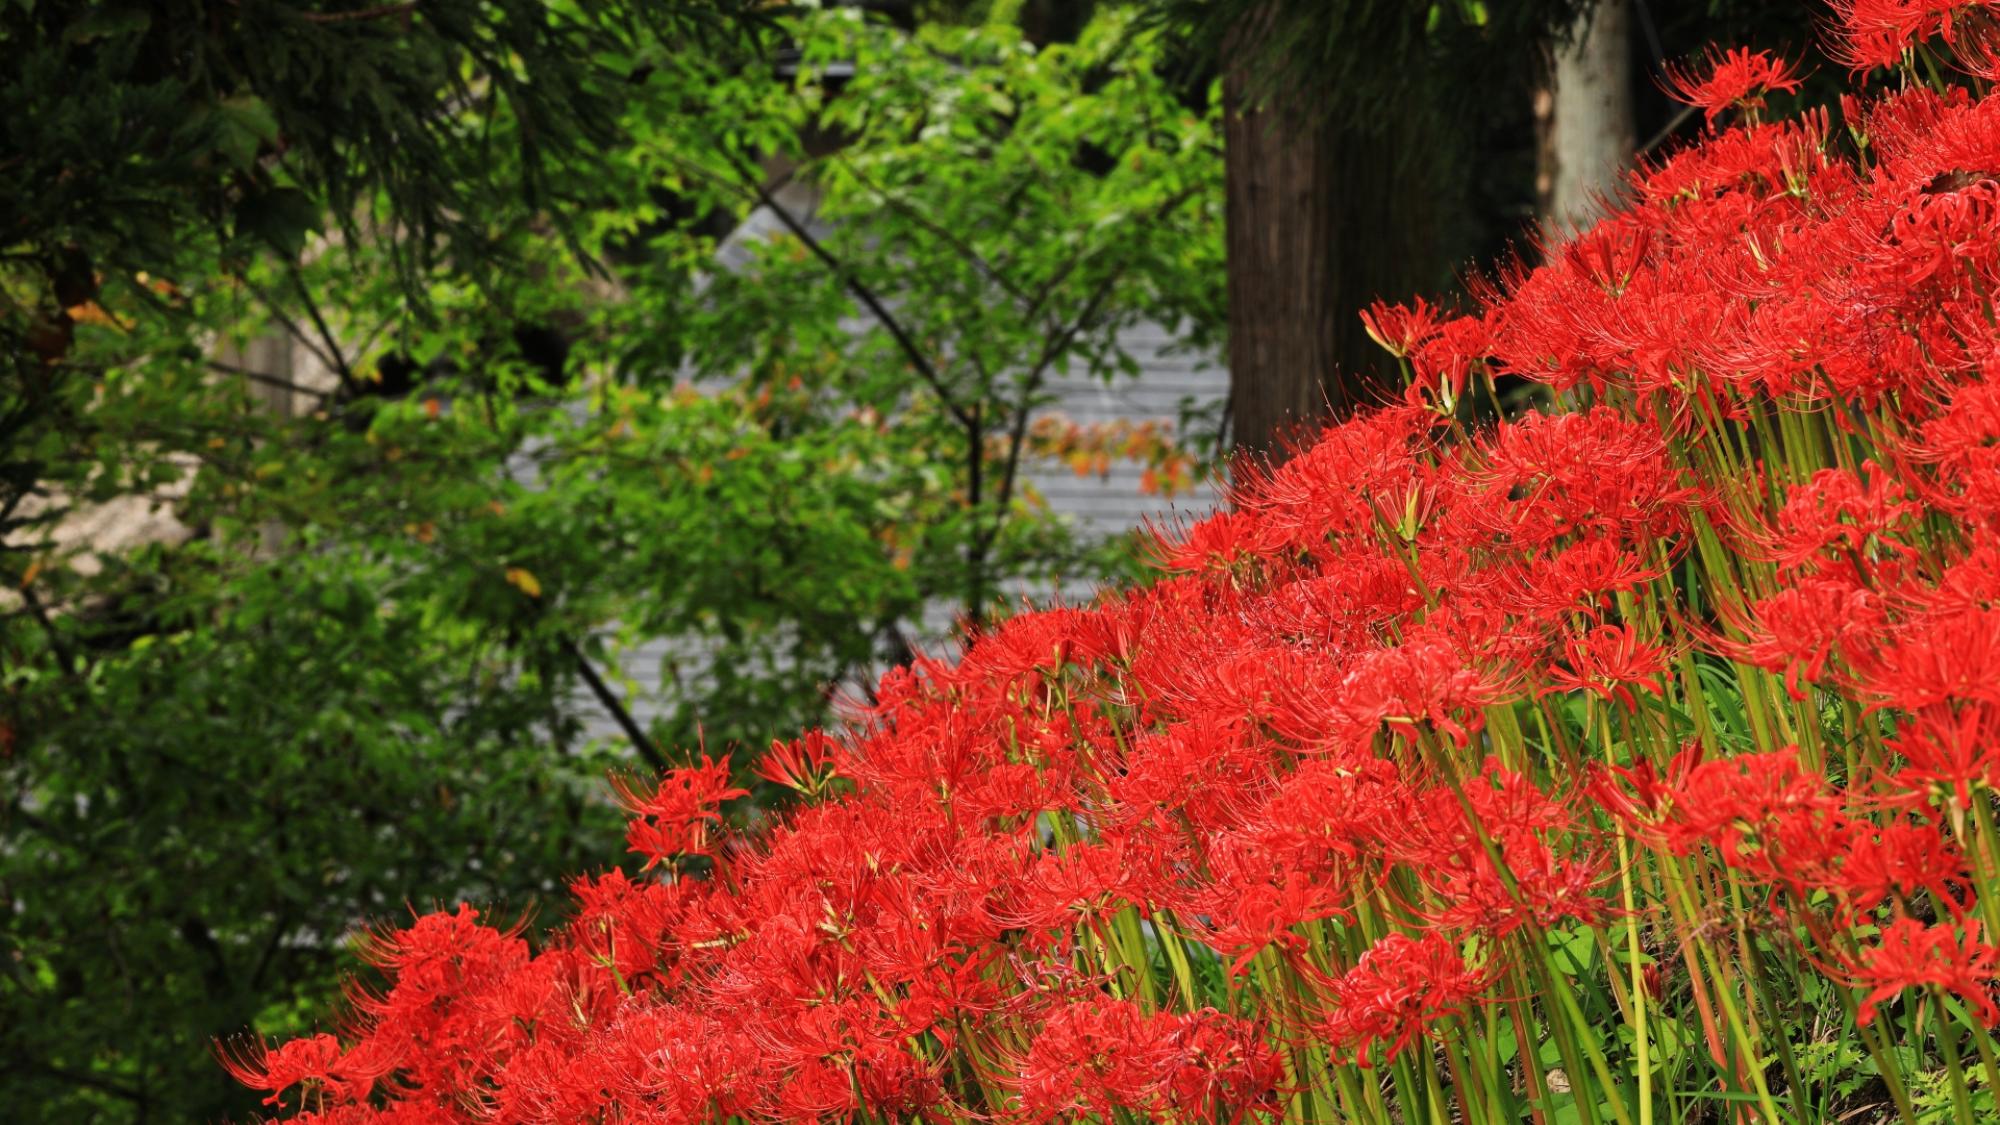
(1321, 218)
(1587, 119)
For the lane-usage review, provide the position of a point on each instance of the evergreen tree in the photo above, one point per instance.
(1357, 136)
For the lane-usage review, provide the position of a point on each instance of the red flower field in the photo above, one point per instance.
(1631, 760)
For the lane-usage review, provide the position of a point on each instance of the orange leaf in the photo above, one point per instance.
(523, 581)
(90, 312)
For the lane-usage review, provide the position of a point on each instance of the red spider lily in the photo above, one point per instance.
(1422, 680)
(1609, 660)
(1914, 954)
(1938, 659)
(1730, 803)
(317, 1062)
(1734, 79)
(675, 817)
(1218, 542)
(1593, 473)
(1896, 861)
(1398, 989)
(1835, 517)
(1400, 329)
(1219, 1067)
(1098, 1056)
(1483, 851)
(804, 765)
(1584, 574)
(1637, 796)
(1877, 33)
(1949, 754)
(1798, 630)
(1255, 904)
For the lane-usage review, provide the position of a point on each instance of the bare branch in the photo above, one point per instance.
(339, 360)
(611, 702)
(64, 655)
(904, 208)
(1053, 350)
(1668, 130)
(84, 1078)
(291, 326)
(220, 367)
(924, 368)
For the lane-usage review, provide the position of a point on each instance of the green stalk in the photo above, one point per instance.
(1573, 1065)
(1509, 744)
(1440, 1108)
(1409, 1093)
(1887, 1063)
(1768, 721)
(1961, 1098)
(1984, 861)
(1743, 1044)
(1642, 1046)
(1132, 952)
(1093, 945)
(1472, 1095)
(1760, 980)
(1567, 997)
(1982, 1040)
(1295, 1109)
(1492, 1072)
(1527, 1048)
(1315, 1062)
(1355, 1098)
(1164, 926)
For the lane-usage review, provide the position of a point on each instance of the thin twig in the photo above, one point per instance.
(278, 931)
(862, 293)
(268, 380)
(84, 1078)
(63, 653)
(1056, 345)
(613, 704)
(1171, 204)
(1668, 130)
(340, 367)
(292, 326)
(905, 208)
(1054, 348)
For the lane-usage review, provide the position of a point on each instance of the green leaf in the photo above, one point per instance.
(106, 23)
(281, 218)
(243, 124)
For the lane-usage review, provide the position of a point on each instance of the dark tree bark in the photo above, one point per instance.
(1280, 222)
(1322, 218)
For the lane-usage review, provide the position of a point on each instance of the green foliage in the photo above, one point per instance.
(1010, 209)
(1368, 64)
(361, 680)
(179, 138)
(131, 123)
(292, 749)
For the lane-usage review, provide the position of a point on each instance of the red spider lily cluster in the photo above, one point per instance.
(1734, 79)
(1572, 767)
